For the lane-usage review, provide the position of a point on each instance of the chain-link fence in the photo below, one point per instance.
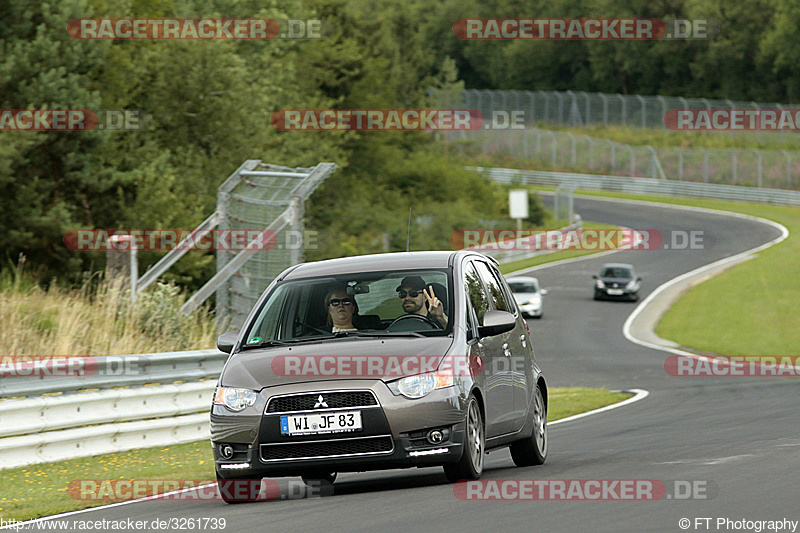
(259, 196)
(557, 150)
(778, 168)
(577, 109)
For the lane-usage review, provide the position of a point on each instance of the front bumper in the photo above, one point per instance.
(393, 434)
(619, 292)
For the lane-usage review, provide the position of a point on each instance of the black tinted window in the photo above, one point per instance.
(475, 292)
(496, 293)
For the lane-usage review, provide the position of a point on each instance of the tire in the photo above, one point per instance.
(532, 450)
(238, 490)
(470, 465)
(320, 481)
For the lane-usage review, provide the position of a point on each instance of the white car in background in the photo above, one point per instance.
(528, 295)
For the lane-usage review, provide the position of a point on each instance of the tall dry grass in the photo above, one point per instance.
(96, 319)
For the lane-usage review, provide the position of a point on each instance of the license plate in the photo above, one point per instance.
(615, 292)
(323, 422)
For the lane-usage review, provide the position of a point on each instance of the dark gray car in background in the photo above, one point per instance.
(292, 399)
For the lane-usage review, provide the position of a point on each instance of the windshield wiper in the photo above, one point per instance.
(287, 342)
(379, 334)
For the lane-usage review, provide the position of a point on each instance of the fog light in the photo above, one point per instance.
(435, 436)
(226, 451)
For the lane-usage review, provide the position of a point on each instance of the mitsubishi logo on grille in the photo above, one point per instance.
(320, 402)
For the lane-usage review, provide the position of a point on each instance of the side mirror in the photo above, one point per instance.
(495, 323)
(227, 340)
(543, 292)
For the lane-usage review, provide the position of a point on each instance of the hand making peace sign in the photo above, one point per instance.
(435, 307)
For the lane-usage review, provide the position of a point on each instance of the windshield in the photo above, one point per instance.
(522, 286)
(616, 272)
(369, 303)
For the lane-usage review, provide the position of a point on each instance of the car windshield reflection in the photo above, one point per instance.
(353, 306)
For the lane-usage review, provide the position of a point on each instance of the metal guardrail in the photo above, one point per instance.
(649, 186)
(43, 427)
(107, 438)
(47, 413)
(119, 371)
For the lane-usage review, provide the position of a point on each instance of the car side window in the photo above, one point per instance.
(496, 292)
(475, 292)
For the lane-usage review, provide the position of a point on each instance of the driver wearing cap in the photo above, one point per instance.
(417, 300)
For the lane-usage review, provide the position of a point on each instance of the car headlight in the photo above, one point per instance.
(536, 300)
(600, 284)
(235, 399)
(422, 384)
(630, 284)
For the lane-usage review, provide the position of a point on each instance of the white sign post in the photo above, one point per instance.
(518, 205)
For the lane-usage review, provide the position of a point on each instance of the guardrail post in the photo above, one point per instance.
(705, 164)
(622, 100)
(734, 161)
(680, 164)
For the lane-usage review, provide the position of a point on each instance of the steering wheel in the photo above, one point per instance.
(421, 318)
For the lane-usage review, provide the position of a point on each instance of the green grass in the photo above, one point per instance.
(569, 401)
(522, 264)
(41, 490)
(751, 309)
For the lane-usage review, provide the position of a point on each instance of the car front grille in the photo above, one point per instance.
(309, 402)
(327, 448)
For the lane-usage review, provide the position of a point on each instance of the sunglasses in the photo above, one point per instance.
(413, 293)
(341, 301)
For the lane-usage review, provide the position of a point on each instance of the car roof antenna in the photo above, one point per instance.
(408, 235)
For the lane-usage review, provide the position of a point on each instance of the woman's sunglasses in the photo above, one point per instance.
(341, 301)
(413, 293)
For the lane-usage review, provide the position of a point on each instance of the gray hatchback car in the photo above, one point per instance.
(383, 361)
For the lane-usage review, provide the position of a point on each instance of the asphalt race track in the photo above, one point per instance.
(738, 437)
